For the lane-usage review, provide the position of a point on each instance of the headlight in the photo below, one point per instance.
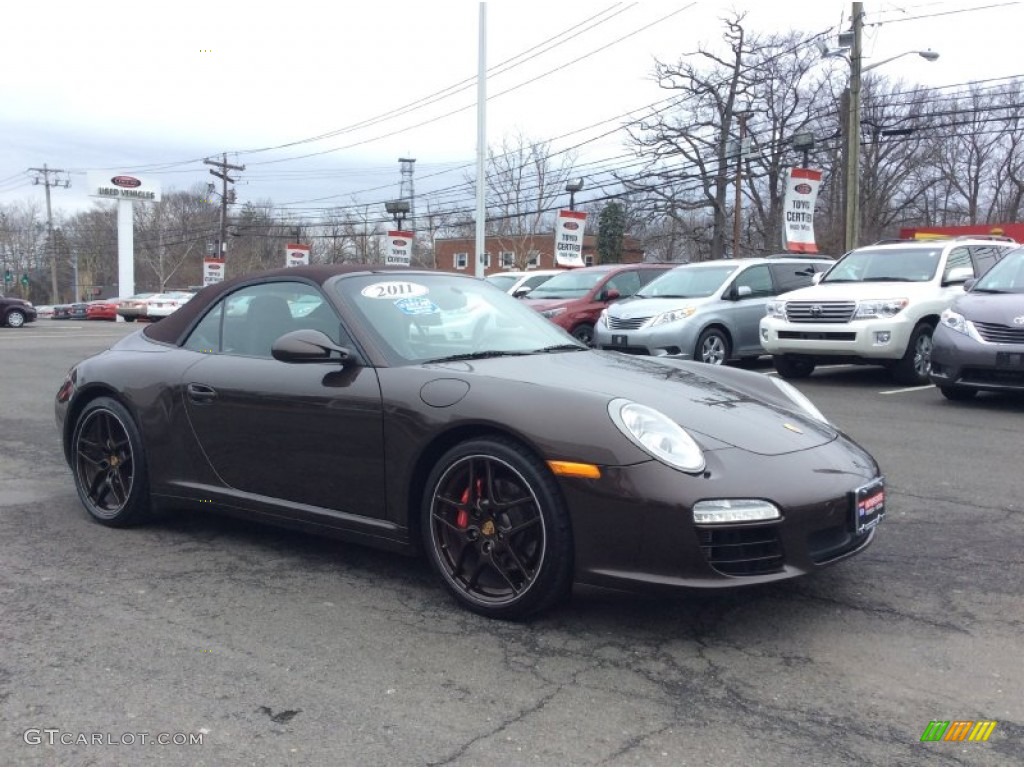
(603, 317)
(672, 316)
(879, 308)
(800, 400)
(655, 433)
(776, 309)
(549, 313)
(955, 321)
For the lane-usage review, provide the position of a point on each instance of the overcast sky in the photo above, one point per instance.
(132, 85)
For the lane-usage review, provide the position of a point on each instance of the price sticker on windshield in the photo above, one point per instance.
(394, 289)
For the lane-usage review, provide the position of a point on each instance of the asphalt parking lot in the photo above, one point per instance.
(280, 648)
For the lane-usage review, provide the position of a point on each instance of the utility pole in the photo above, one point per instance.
(738, 206)
(222, 174)
(50, 246)
(853, 133)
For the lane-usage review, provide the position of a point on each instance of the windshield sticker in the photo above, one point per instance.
(394, 289)
(417, 306)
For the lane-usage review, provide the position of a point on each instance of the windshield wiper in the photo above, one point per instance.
(478, 355)
(990, 290)
(890, 280)
(560, 348)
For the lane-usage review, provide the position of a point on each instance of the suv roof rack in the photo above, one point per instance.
(798, 256)
(997, 238)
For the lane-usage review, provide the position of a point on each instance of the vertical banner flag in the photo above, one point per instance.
(399, 249)
(296, 255)
(569, 238)
(798, 210)
(213, 270)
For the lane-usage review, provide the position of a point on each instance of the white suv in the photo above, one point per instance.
(877, 305)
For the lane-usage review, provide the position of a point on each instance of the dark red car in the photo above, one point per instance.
(575, 298)
(103, 309)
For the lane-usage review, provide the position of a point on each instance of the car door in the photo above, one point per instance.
(750, 292)
(303, 434)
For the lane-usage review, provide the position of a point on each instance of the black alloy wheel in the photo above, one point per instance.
(496, 529)
(107, 459)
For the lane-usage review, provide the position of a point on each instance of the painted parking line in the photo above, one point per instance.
(907, 389)
(817, 368)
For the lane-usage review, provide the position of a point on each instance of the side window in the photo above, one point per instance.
(789, 277)
(758, 279)
(646, 275)
(958, 257)
(626, 283)
(205, 337)
(985, 256)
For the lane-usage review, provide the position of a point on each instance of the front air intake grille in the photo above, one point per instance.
(751, 551)
(820, 311)
(626, 324)
(1000, 334)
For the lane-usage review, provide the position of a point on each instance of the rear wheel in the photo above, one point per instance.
(109, 465)
(912, 368)
(496, 530)
(712, 347)
(793, 366)
(958, 394)
(15, 318)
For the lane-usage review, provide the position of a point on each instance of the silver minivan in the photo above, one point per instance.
(707, 311)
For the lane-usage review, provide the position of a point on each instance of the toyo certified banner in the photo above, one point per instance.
(798, 210)
(213, 270)
(399, 248)
(123, 186)
(569, 238)
(296, 255)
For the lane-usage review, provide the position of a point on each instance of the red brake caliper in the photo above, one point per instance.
(462, 518)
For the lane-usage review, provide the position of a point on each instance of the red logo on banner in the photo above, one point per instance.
(126, 181)
(400, 243)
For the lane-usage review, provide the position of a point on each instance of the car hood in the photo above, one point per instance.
(642, 307)
(997, 308)
(542, 304)
(727, 406)
(860, 291)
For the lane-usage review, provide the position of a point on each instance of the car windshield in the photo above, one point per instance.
(503, 281)
(420, 318)
(910, 265)
(568, 285)
(687, 282)
(1007, 276)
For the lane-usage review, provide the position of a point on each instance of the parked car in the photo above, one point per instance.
(519, 284)
(62, 312)
(708, 311)
(878, 305)
(574, 299)
(102, 309)
(164, 304)
(15, 312)
(44, 312)
(979, 342)
(519, 463)
(134, 307)
(79, 310)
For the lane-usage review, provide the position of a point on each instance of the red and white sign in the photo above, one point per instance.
(399, 248)
(798, 210)
(569, 238)
(213, 270)
(296, 255)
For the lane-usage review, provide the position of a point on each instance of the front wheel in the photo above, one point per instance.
(912, 369)
(496, 529)
(15, 318)
(792, 366)
(109, 465)
(584, 333)
(712, 347)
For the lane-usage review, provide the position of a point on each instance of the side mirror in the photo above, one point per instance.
(308, 346)
(816, 277)
(969, 283)
(958, 275)
(610, 295)
(743, 291)
(520, 292)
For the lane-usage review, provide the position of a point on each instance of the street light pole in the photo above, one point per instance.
(853, 133)
(572, 187)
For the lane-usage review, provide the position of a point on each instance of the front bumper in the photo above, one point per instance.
(881, 339)
(961, 361)
(634, 527)
(677, 339)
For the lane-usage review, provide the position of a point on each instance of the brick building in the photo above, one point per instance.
(503, 253)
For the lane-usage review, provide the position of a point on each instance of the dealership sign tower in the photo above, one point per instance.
(126, 189)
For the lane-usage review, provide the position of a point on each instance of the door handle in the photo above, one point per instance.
(201, 393)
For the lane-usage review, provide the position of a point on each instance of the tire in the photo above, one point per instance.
(127, 319)
(15, 318)
(584, 333)
(712, 347)
(912, 368)
(793, 366)
(109, 465)
(958, 394)
(503, 548)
